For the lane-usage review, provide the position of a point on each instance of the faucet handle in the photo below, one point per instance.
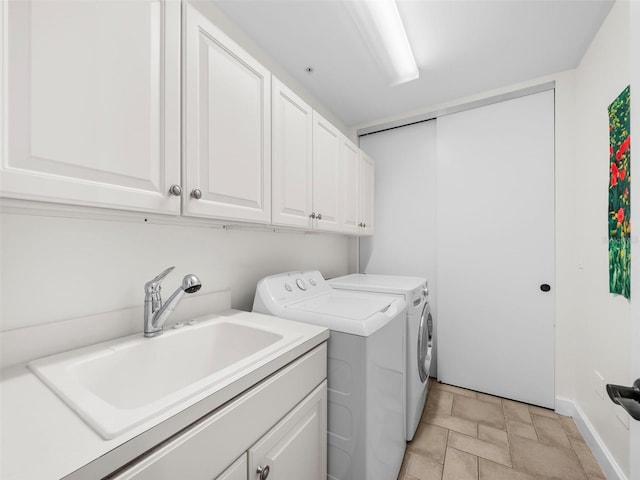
(154, 285)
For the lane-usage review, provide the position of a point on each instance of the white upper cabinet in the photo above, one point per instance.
(366, 185)
(292, 158)
(326, 174)
(349, 168)
(227, 126)
(316, 171)
(92, 103)
(135, 105)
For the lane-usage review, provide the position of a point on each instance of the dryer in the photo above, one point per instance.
(419, 332)
(366, 438)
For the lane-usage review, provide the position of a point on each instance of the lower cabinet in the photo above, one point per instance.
(296, 448)
(276, 430)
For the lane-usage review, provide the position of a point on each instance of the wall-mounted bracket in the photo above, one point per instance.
(627, 397)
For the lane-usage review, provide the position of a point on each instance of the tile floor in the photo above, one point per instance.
(466, 435)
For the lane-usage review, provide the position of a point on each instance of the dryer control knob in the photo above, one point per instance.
(301, 284)
(288, 287)
(312, 282)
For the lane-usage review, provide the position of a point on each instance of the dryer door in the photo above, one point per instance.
(425, 340)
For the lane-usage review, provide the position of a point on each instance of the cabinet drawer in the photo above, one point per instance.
(203, 450)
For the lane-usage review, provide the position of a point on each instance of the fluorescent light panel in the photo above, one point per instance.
(380, 24)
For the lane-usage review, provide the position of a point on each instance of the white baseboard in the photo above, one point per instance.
(610, 467)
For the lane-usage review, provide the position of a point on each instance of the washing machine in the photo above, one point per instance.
(419, 332)
(365, 371)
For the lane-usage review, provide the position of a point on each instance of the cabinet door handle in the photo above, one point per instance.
(313, 215)
(319, 216)
(263, 472)
(196, 193)
(175, 190)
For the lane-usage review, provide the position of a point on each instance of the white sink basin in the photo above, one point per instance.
(117, 385)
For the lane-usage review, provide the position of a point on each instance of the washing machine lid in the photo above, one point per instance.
(378, 283)
(347, 306)
(353, 313)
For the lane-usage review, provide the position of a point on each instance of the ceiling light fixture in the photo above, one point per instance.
(380, 25)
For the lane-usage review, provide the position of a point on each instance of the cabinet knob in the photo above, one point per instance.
(361, 224)
(196, 193)
(175, 190)
(319, 216)
(364, 225)
(313, 215)
(263, 472)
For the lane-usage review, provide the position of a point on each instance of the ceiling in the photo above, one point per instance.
(462, 47)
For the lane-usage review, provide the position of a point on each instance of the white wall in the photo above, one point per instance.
(60, 268)
(603, 320)
(634, 57)
(566, 257)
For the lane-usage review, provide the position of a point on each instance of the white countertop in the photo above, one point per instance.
(41, 438)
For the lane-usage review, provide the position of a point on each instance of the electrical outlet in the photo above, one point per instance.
(599, 385)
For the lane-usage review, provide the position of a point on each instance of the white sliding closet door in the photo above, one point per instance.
(495, 247)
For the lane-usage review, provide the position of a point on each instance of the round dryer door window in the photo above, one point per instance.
(425, 339)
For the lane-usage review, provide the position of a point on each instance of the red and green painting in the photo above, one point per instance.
(619, 205)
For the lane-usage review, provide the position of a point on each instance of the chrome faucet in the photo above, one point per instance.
(155, 312)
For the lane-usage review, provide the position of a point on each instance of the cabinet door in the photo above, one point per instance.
(366, 193)
(292, 158)
(296, 448)
(349, 186)
(92, 102)
(227, 126)
(326, 174)
(237, 471)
